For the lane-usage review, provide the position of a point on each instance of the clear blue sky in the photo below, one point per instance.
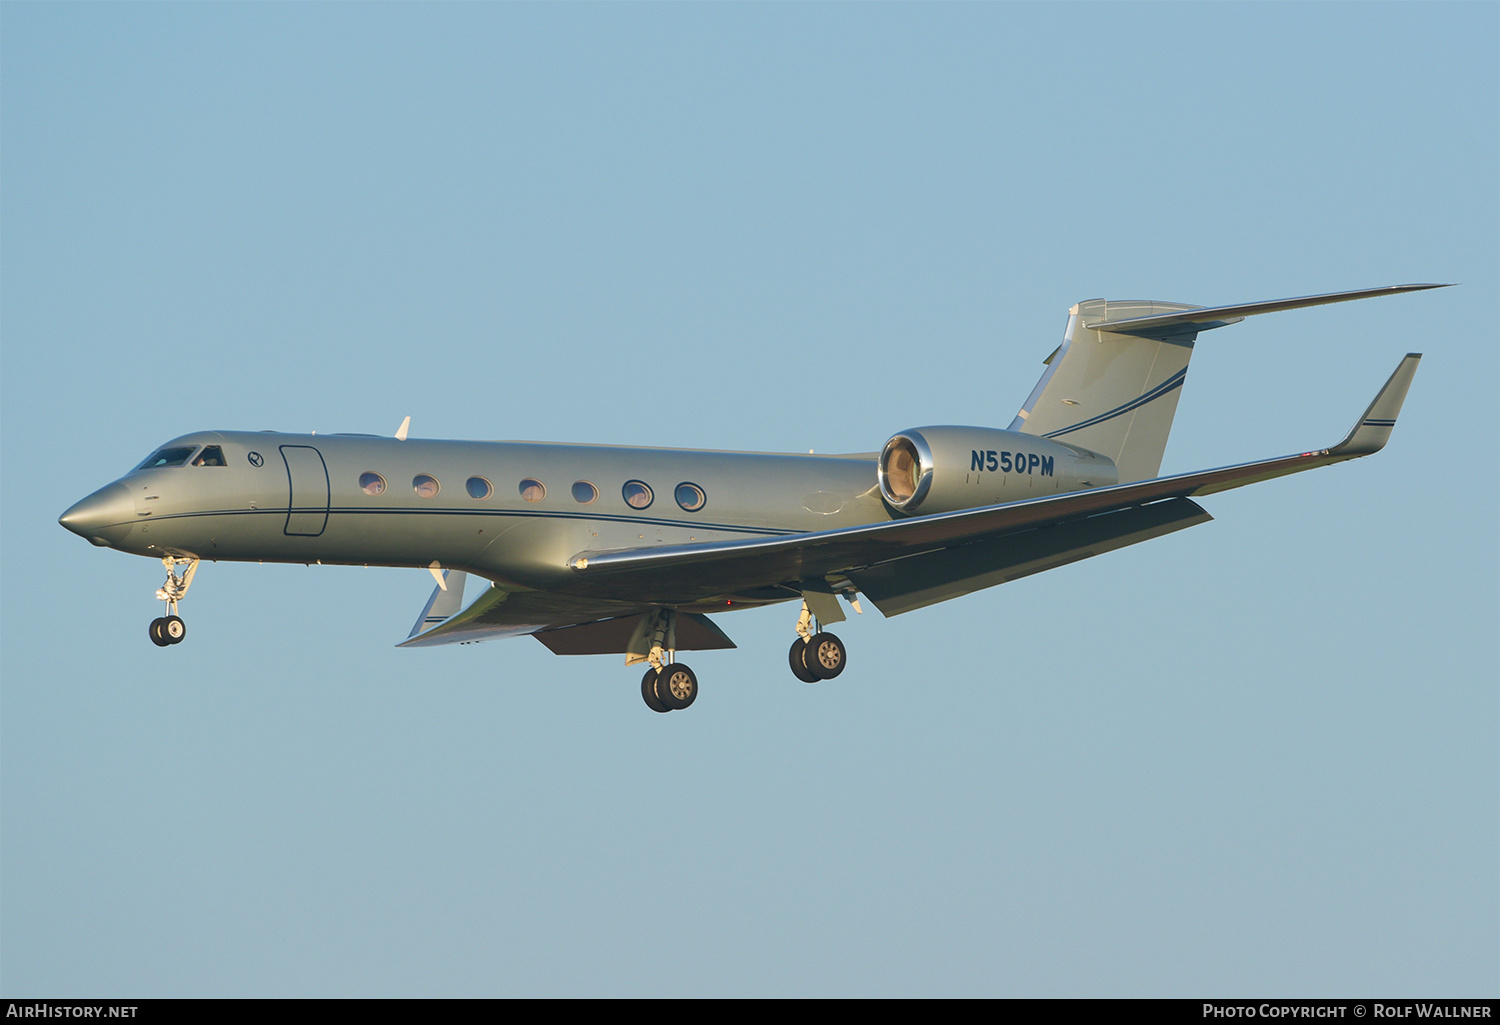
(1260, 757)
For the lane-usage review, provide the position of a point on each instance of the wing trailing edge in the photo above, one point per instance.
(692, 631)
(922, 580)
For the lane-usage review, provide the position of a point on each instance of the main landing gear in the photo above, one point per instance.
(668, 685)
(815, 656)
(669, 688)
(170, 629)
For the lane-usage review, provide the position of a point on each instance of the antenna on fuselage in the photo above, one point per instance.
(401, 431)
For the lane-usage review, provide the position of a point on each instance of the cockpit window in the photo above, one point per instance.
(168, 457)
(212, 455)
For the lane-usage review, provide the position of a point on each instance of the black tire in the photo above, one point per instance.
(648, 692)
(173, 629)
(677, 686)
(826, 656)
(796, 658)
(157, 637)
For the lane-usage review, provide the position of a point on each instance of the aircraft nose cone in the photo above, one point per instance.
(104, 518)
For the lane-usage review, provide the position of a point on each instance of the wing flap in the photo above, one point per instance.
(693, 632)
(500, 612)
(922, 580)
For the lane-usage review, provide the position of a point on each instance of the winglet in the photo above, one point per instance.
(445, 601)
(1373, 429)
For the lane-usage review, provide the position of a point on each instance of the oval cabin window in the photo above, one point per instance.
(690, 496)
(637, 494)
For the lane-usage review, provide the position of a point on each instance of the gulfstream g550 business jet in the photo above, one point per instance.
(598, 550)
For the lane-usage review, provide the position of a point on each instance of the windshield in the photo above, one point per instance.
(168, 457)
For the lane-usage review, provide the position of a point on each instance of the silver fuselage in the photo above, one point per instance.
(298, 498)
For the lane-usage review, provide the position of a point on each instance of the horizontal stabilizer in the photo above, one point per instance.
(1164, 326)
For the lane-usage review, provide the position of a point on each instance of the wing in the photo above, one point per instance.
(877, 555)
(899, 565)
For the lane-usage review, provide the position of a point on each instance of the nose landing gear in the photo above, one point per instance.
(170, 629)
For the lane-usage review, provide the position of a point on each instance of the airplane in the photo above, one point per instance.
(618, 550)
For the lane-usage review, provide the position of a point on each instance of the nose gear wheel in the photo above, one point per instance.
(170, 629)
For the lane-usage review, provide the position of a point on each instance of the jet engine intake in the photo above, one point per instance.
(941, 469)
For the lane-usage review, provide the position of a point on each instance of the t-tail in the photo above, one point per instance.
(1112, 386)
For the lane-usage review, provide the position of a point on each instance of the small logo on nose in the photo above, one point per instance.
(256, 458)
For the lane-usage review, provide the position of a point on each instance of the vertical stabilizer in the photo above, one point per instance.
(1111, 393)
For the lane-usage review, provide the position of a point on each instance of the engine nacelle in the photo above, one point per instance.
(940, 469)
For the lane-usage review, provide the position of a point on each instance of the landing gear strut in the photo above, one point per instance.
(668, 685)
(170, 629)
(815, 656)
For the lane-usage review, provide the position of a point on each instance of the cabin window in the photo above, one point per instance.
(533, 490)
(638, 494)
(479, 488)
(584, 493)
(167, 457)
(372, 483)
(690, 496)
(212, 455)
(425, 486)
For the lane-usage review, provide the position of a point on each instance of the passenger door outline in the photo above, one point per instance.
(307, 483)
